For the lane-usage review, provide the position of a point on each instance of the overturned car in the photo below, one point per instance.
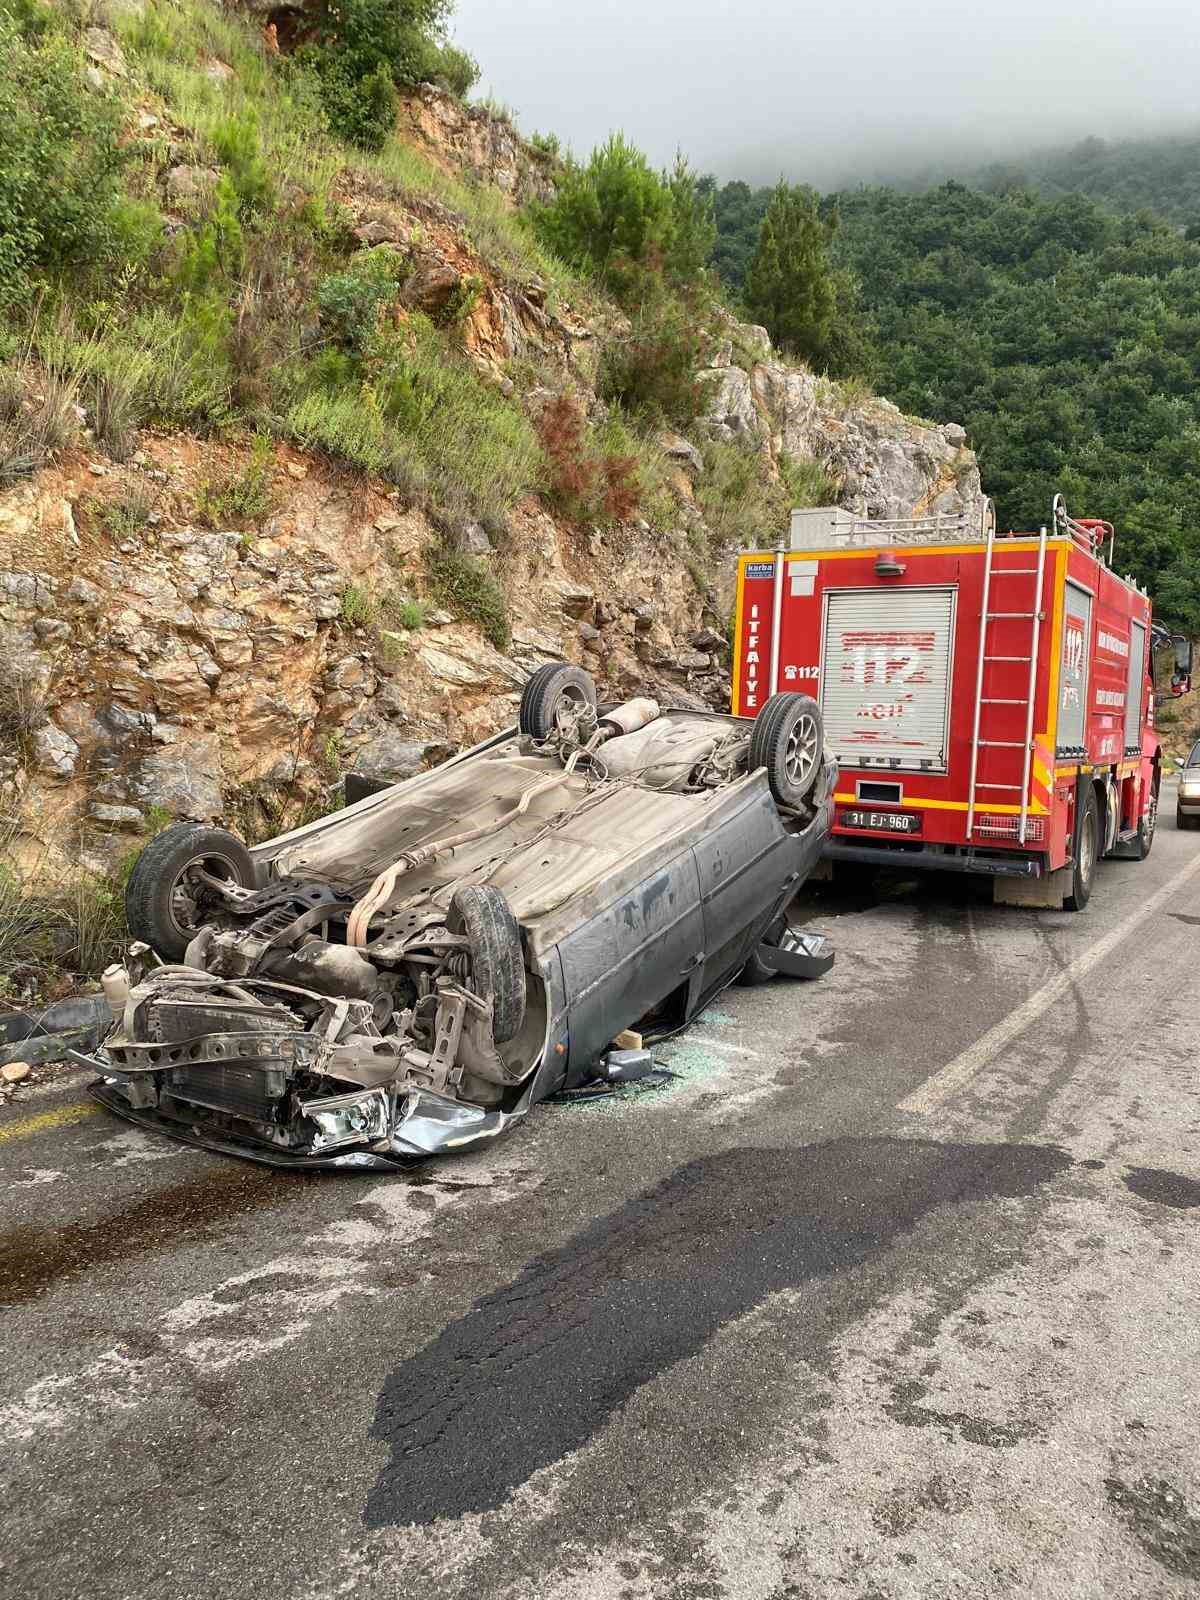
(409, 975)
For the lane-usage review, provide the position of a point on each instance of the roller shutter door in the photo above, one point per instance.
(885, 687)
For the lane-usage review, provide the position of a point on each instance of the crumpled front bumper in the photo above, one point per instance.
(425, 1125)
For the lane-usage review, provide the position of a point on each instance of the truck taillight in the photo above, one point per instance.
(1009, 827)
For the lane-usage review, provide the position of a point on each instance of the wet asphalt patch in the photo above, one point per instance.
(1163, 1188)
(1157, 1515)
(36, 1257)
(536, 1368)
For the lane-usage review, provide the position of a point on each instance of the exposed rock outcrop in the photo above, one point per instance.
(189, 671)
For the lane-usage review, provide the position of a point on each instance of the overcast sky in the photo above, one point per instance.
(823, 92)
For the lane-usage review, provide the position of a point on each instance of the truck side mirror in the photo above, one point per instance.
(1183, 658)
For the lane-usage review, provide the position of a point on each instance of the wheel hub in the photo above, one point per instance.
(801, 753)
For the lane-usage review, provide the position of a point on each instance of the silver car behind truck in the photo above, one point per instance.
(1187, 806)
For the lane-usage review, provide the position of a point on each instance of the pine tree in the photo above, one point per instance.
(789, 288)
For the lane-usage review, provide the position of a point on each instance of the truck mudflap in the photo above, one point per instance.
(927, 858)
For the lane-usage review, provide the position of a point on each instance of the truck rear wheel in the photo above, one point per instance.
(1147, 823)
(1087, 850)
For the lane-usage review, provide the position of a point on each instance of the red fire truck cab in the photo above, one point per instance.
(989, 698)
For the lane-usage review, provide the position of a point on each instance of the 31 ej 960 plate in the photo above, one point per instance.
(883, 821)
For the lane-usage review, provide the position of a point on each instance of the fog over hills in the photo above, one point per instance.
(853, 93)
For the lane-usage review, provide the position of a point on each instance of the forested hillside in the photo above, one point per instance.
(1064, 334)
(1161, 175)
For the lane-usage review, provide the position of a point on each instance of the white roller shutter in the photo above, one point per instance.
(885, 683)
(1135, 685)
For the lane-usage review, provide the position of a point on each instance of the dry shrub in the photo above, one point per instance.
(562, 431)
(32, 428)
(622, 490)
(586, 479)
(58, 922)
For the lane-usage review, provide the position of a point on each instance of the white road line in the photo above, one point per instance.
(935, 1090)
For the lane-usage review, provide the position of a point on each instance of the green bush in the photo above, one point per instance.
(214, 255)
(361, 108)
(343, 427)
(475, 449)
(653, 373)
(610, 218)
(350, 301)
(743, 505)
(243, 495)
(61, 159)
(452, 68)
(464, 585)
(357, 607)
(238, 144)
(129, 515)
(368, 48)
(627, 225)
(408, 614)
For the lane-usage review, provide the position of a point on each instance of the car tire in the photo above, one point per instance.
(1087, 852)
(549, 691)
(497, 962)
(789, 741)
(160, 908)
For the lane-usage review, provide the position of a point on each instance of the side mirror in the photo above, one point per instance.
(1183, 658)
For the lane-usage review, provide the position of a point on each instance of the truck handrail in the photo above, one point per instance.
(1089, 535)
(839, 529)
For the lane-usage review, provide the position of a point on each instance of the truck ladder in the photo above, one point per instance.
(987, 616)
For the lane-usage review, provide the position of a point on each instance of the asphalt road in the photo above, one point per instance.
(893, 1291)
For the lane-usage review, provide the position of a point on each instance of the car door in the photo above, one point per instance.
(745, 867)
(630, 955)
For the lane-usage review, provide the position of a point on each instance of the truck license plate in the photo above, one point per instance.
(884, 821)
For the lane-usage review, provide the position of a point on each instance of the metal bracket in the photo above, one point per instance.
(798, 955)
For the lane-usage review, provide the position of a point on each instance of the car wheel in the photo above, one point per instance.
(1087, 850)
(166, 899)
(554, 696)
(497, 964)
(789, 741)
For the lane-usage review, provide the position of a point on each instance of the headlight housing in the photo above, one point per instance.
(363, 1116)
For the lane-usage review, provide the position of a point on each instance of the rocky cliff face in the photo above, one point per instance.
(192, 671)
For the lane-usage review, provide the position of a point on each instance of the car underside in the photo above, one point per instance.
(407, 976)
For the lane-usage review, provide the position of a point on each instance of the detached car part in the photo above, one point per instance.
(409, 975)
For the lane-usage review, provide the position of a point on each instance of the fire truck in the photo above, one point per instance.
(989, 697)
